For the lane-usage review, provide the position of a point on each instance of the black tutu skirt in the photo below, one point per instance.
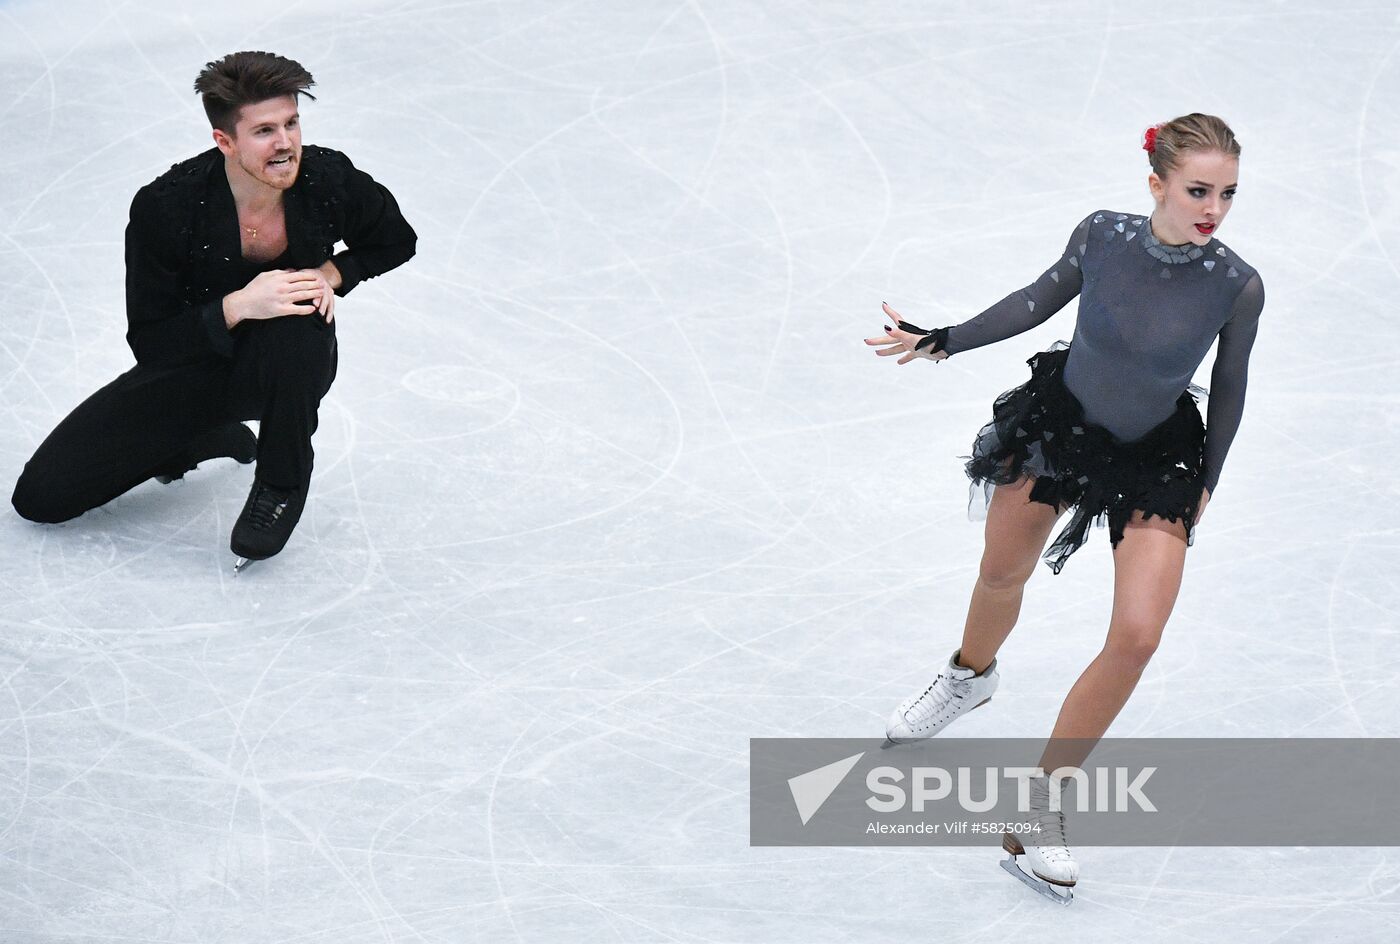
(1040, 427)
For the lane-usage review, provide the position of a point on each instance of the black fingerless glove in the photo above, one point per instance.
(933, 341)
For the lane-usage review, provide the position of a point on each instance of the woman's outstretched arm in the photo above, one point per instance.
(1027, 307)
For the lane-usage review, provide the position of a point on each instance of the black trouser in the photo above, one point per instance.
(140, 423)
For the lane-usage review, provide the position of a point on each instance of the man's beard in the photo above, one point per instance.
(261, 174)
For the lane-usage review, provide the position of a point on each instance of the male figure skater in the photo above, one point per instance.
(231, 279)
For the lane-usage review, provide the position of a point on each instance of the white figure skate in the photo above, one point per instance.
(1052, 869)
(956, 691)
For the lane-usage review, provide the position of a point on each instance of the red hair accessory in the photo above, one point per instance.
(1149, 140)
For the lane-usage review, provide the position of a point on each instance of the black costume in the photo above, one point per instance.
(1108, 424)
(192, 374)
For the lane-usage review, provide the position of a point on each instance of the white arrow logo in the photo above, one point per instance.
(815, 787)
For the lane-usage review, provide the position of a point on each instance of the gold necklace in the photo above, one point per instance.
(252, 231)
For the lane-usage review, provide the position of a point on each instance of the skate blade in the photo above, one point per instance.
(240, 564)
(1059, 894)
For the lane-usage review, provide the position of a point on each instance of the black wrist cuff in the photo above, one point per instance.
(933, 341)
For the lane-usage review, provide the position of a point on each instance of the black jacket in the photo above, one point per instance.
(184, 249)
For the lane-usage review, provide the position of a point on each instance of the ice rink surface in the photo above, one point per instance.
(608, 484)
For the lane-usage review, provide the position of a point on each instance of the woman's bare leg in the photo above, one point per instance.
(1147, 568)
(1016, 532)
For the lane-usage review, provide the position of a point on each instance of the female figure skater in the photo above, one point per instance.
(1107, 426)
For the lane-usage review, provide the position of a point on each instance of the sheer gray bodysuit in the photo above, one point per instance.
(1148, 313)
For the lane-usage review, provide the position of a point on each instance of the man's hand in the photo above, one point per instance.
(332, 277)
(277, 294)
(331, 273)
(327, 277)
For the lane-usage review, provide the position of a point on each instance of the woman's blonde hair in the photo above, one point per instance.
(1193, 132)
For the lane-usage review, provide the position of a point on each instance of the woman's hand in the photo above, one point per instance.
(903, 339)
(1201, 508)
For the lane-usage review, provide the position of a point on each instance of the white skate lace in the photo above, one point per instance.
(1050, 837)
(937, 697)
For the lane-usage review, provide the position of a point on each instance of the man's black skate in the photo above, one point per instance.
(232, 440)
(267, 521)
